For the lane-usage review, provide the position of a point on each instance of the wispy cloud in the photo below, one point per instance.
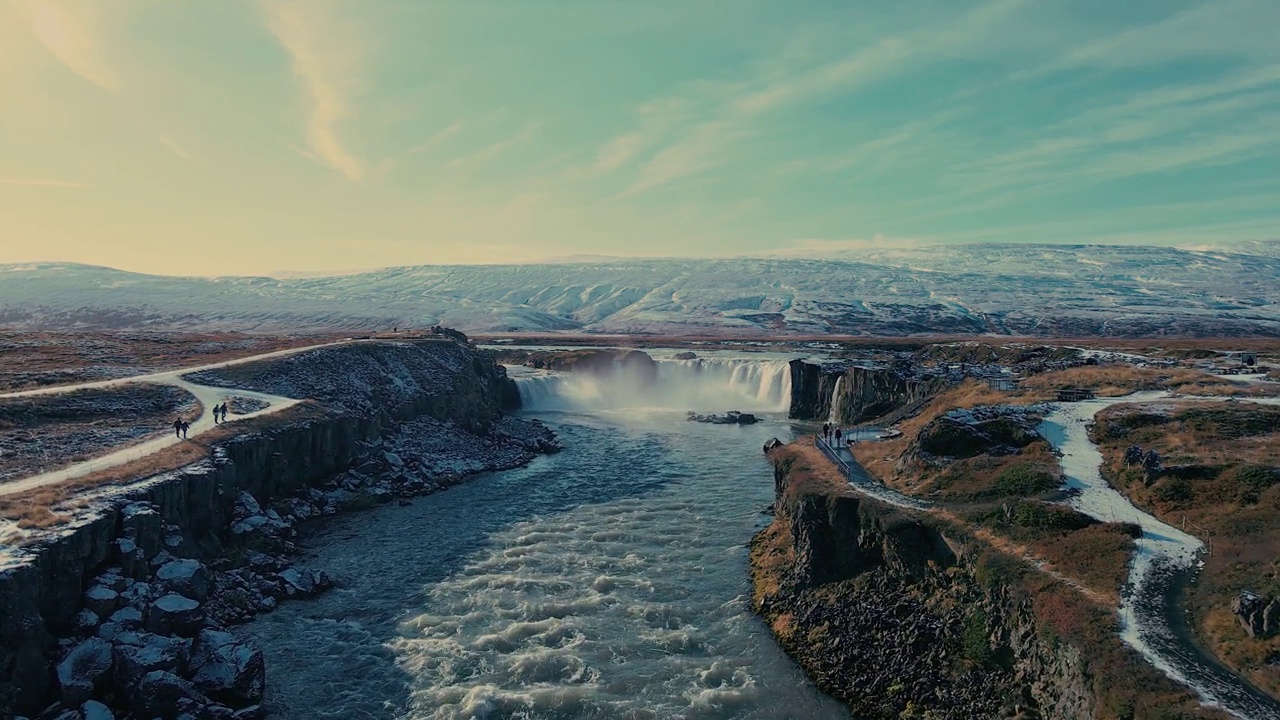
(323, 61)
(176, 148)
(1224, 28)
(71, 32)
(42, 182)
(492, 151)
(737, 109)
(438, 138)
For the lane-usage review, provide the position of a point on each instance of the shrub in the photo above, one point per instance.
(974, 644)
(1025, 481)
(1174, 491)
(1254, 480)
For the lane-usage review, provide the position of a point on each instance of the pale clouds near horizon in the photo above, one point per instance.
(239, 136)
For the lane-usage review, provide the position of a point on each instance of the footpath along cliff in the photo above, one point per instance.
(125, 608)
(908, 613)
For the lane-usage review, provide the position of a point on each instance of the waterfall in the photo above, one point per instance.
(701, 384)
(837, 402)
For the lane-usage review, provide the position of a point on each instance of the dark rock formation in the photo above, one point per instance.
(196, 549)
(604, 362)
(885, 611)
(1259, 617)
(986, 430)
(865, 393)
(733, 417)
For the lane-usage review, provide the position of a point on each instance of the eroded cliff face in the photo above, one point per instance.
(41, 596)
(865, 394)
(892, 613)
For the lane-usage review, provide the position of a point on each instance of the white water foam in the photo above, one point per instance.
(702, 384)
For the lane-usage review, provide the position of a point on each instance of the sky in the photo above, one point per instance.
(213, 137)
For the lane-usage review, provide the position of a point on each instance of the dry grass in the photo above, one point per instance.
(880, 457)
(49, 506)
(1072, 596)
(1220, 441)
(809, 472)
(38, 359)
(1115, 380)
(39, 518)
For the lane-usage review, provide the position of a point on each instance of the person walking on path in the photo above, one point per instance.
(177, 428)
(224, 411)
(826, 431)
(216, 409)
(837, 438)
(185, 426)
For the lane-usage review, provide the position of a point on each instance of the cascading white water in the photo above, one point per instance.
(702, 384)
(837, 402)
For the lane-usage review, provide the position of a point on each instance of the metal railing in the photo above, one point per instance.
(834, 456)
(852, 469)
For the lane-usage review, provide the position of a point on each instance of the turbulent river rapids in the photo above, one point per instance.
(608, 581)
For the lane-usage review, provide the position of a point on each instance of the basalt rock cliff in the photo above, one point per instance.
(888, 610)
(860, 394)
(194, 518)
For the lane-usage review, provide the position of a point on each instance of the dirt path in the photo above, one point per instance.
(208, 397)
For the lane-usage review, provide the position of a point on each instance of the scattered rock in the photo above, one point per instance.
(174, 614)
(94, 710)
(185, 577)
(733, 417)
(83, 670)
(137, 654)
(163, 694)
(227, 669)
(1260, 618)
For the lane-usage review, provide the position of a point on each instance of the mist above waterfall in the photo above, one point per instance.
(702, 384)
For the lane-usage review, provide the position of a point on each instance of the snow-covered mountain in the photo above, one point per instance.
(1009, 289)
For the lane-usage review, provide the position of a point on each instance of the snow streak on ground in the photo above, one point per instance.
(1163, 554)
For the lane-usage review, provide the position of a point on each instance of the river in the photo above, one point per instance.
(608, 581)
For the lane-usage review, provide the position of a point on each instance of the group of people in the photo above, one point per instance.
(180, 426)
(831, 434)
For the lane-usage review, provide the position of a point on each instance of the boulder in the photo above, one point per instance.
(94, 710)
(986, 430)
(227, 669)
(137, 654)
(185, 577)
(174, 614)
(138, 595)
(102, 600)
(246, 505)
(1252, 611)
(83, 670)
(304, 582)
(163, 694)
(87, 622)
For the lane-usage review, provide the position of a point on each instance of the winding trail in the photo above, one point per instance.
(206, 395)
(1165, 558)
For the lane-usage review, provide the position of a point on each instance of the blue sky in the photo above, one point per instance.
(237, 136)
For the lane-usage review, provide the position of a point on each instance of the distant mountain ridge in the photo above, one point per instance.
(1041, 290)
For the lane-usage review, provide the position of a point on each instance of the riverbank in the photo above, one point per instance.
(905, 613)
(127, 602)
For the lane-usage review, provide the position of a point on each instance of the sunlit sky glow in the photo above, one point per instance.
(233, 136)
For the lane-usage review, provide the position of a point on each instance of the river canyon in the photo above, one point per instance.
(607, 581)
